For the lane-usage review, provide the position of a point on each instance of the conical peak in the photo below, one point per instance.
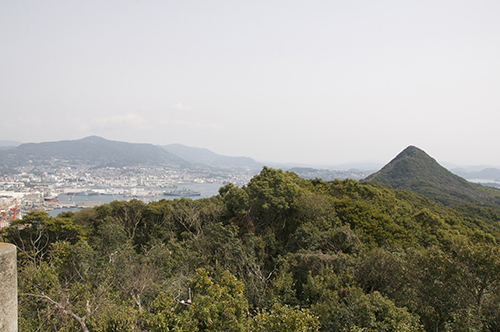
(412, 151)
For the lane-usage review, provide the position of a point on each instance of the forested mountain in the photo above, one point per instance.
(90, 151)
(414, 170)
(207, 157)
(279, 254)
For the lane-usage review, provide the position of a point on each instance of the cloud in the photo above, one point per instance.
(198, 125)
(181, 107)
(83, 127)
(126, 122)
(120, 119)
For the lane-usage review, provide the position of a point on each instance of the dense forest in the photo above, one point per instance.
(279, 254)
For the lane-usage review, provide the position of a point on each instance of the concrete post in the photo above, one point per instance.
(8, 288)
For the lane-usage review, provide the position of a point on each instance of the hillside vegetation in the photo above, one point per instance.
(279, 254)
(414, 170)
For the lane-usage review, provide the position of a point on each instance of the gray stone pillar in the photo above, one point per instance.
(8, 288)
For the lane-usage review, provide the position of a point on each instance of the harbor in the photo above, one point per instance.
(71, 201)
(15, 204)
(63, 189)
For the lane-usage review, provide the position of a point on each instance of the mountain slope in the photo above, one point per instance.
(415, 170)
(90, 151)
(207, 157)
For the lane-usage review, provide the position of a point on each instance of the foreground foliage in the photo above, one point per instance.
(280, 254)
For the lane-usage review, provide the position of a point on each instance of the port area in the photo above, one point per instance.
(71, 204)
(55, 199)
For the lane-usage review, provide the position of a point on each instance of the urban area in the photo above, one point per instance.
(82, 187)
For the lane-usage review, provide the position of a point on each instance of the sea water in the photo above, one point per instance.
(206, 190)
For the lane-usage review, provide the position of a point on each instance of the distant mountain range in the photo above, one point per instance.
(5, 145)
(411, 165)
(90, 151)
(207, 157)
(94, 151)
(485, 174)
(416, 171)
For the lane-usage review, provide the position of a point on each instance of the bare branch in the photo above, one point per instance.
(80, 320)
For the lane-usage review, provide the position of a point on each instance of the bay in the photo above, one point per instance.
(206, 190)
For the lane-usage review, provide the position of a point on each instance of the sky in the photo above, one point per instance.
(314, 82)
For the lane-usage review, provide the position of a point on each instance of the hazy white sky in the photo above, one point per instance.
(287, 81)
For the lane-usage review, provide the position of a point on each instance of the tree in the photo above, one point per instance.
(283, 318)
(273, 195)
(478, 269)
(352, 310)
(168, 314)
(133, 274)
(386, 272)
(68, 288)
(36, 231)
(207, 306)
(218, 306)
